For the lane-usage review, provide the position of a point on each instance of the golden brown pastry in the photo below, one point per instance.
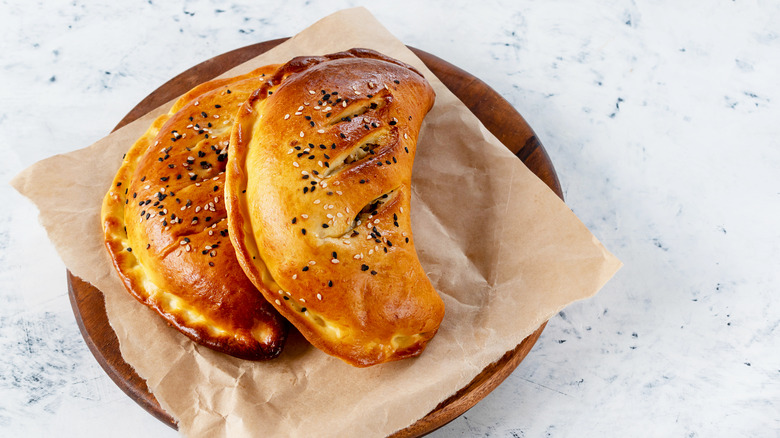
(318, 190)
(165, 226)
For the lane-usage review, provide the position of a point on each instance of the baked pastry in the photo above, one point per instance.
(318, 191)
(166, 230)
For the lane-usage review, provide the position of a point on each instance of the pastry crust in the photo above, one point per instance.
(166, 230)
(318, 192)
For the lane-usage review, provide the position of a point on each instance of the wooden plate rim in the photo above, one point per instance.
(107, 351)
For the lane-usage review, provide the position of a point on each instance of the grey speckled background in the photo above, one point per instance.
(660, 117)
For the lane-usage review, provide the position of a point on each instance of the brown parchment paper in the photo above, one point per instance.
(504, 252)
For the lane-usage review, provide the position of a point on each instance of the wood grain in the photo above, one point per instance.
(494, 112)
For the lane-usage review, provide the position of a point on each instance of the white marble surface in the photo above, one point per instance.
(661, 118)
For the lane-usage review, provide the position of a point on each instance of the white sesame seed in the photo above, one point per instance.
(194, 221)
(316, 201)
(188, 248)
(305, 216)
(320, 163)
(213, 253)
(296, 164)
(298, 113)
(316, 107)
(312, 262)
(216, 199)
(286, 116)
(338, 192)
(216, 116)
(196, 103)
(278, 303)
(182, 208)
(327, 108)
(339, 215)
(334, 261)
(281, 292)
(344, 104)
(301, 300)
(294, 277)
(356, 257)
(335, 183)
(406, 136)
(329, 216)
(402, 209)
(324, 184)
(312, 92)
(320, 131)
(146, 187)
(207, 247)
(211, 233)
(197, 209)
(182, 243)
(301, 134)
(319, 297)
(376, 221)
(370, 251)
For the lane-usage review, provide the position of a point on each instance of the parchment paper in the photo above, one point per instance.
(505, 253)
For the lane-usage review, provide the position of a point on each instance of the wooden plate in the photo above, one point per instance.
(494, 112)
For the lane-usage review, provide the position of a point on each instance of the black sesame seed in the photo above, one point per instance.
(129, 249)
(392, 122)
(330, 283)
(211, 264)
(305, 268)
(294, 220)
(407, 240)
(362, 181)
(203, 113)
(364, 267)
(303, 309)
(335, 256)
(286, 298)
(373, 272)
(118, 184)
(217, 106)
(216, 188)
(303, 231)
(306, 189)
(396, 81)
(325, 225)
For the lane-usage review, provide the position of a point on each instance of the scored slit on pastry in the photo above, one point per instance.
(318, 192)
(164, 221)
